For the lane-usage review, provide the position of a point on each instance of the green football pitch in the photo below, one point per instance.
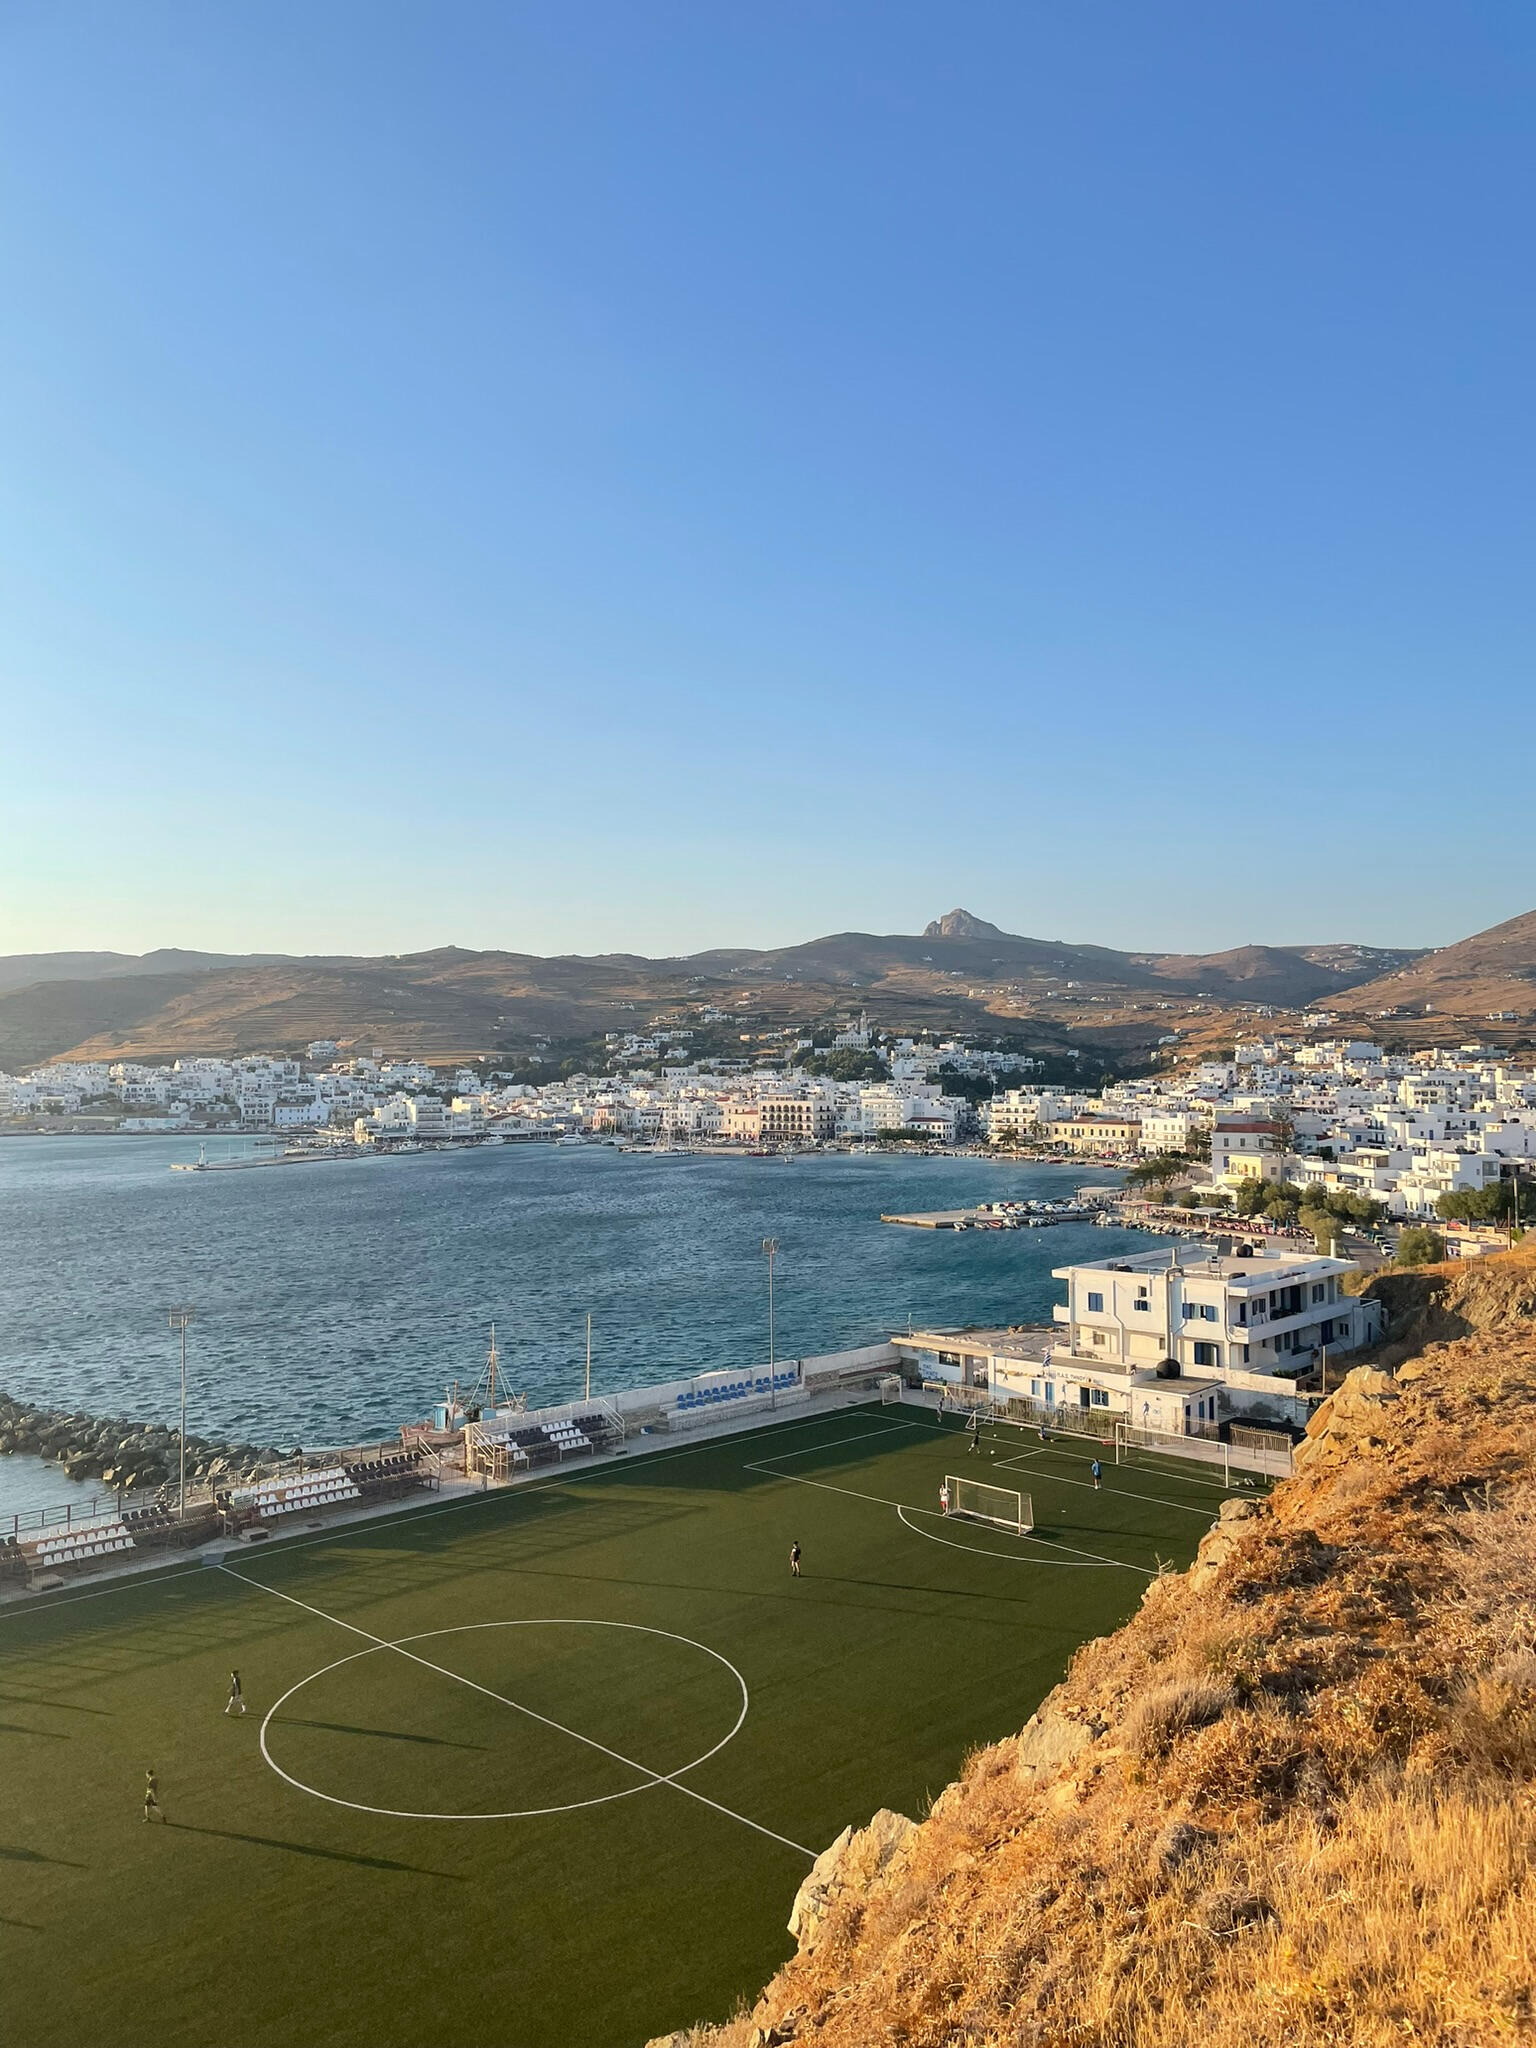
(538, 1766)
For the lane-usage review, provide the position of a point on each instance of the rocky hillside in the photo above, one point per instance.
(1491, 972)
(1436, 1304)
(1292, 1802)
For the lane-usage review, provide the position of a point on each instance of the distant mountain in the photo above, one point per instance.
(1490, 972)
(961, 973)
(20, 970)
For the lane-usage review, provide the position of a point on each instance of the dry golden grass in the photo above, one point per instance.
(1306, 1816)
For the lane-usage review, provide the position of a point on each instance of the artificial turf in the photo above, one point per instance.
(263, 1914)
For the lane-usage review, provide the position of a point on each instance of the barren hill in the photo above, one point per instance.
(963, 973)
(1492, 971)
(1292, 1804)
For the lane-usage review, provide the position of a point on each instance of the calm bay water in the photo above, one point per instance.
(335, 1301)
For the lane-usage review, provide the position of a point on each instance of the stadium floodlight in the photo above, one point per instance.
(1004, 1506)
(771, 1248)
(179, 1317)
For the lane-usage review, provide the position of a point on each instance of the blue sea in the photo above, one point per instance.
(335, 1301)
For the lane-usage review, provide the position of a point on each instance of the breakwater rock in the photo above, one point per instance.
(120, 1452)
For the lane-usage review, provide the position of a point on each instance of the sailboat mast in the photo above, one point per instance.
(490, 1371)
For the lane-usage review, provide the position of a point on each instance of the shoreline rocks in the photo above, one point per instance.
(118, 1452)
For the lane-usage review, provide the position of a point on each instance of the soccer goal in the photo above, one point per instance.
(1269, 1459)
(890, 1389)
(978, 1502)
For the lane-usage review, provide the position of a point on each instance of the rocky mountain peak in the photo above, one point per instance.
(961, 924)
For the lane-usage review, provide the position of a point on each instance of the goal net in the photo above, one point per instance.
(1002, 1505)
(890, 1390)
(1227, 1463)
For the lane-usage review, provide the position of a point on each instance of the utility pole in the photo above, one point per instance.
(179, 1318)
(589, 1355)
(771, 1247)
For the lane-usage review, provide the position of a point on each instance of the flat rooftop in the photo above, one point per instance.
(1205, 1261)
(1027, 1342)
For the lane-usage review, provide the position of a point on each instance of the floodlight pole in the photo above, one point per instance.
(179, 1318)
(771, 1247)
(589, 1355)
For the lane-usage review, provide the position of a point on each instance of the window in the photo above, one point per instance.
(1100, 1398)
(1209, 1312)
(1142, 1303)
(1317, 1292)
(1095, 1304)
(1034, 1390)
(1099, 1337)
(1207, 1354)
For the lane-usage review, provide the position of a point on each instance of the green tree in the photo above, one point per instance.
(1419, 1247)
(849, 1063)
(1323, 1225)
(1158, 1171)
(1473, 1205)
(1256, 1197)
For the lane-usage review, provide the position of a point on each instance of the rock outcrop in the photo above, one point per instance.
(857, 1863)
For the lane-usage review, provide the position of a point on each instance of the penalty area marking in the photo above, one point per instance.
(902, 1511)
(1114, 1492)
(650, 1778)
(1091, 1559)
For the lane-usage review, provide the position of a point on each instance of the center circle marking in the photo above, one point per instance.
(651, 1779)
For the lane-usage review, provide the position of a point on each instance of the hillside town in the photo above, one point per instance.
(1400, 1133)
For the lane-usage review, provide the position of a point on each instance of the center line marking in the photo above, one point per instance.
(655, 1777)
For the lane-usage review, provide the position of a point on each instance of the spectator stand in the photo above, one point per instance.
(499, 1446)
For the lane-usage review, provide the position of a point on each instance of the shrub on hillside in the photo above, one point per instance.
(1420, 1248)
(1161, 1716)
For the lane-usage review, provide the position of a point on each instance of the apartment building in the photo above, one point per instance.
(1181, 1340)
(1207, 1311)
(1169, 1130)
(795, 1119)
(1247, 1148)
(1091, 1137)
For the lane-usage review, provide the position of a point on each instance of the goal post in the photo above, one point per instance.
(890, 1389)
(976, 1501)
(1192, 1450)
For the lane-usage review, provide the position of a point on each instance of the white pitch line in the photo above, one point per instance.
(410, 1517)
(1116, 1492)
(864, 1436)
(516, 1813)
(655, 1777)
(823, 1486)
(1062, 1564)
(1114, 1563)
(880, 1500)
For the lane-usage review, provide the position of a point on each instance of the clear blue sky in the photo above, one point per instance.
(581, 476)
